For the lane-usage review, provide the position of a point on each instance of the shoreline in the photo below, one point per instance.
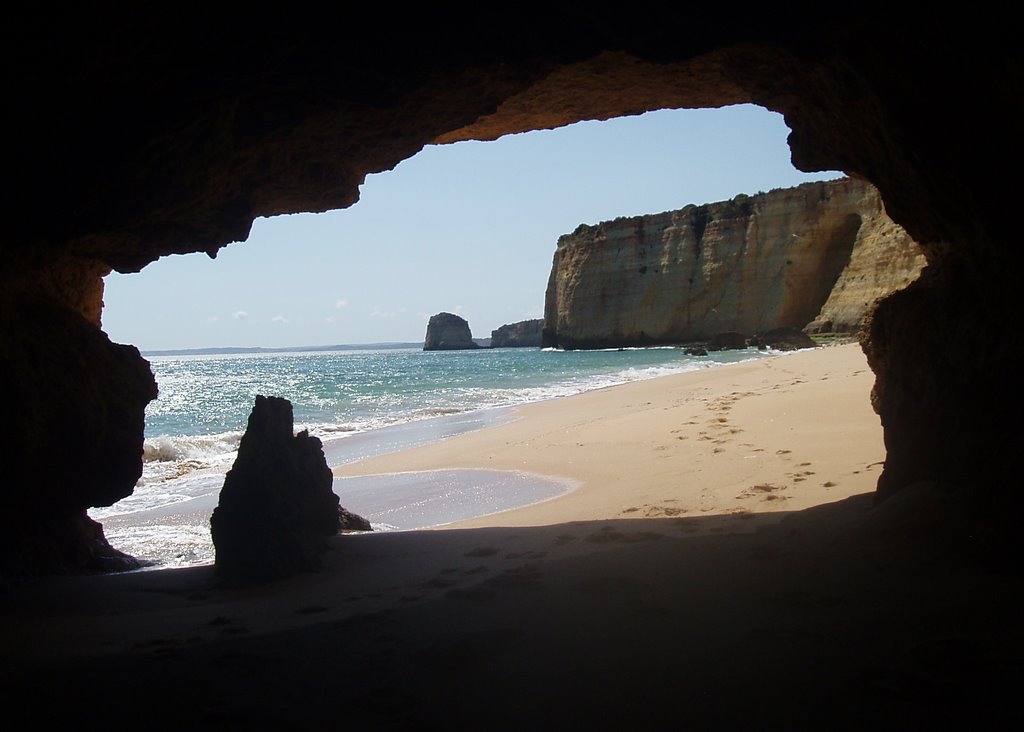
(165, 523)
(754, 437)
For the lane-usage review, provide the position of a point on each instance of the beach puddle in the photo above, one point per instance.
(424, 499)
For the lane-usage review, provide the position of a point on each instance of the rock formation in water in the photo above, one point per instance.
(190, 136)
(524, 334)
(448, 332)
(277, 508)
(819, 252)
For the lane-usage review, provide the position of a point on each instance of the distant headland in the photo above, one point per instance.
(229, 351)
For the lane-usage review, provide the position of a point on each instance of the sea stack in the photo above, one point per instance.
(277, 508)
(448, 332)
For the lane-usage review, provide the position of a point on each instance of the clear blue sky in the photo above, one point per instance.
(468, 228)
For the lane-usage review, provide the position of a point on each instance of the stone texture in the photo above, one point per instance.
(137, 136)
(73, 435)
(524, 334)
(348, 521)
(729, 340)
(448, 332)
(276, 509)
(783, 339)
(821, 251)
(884, 259)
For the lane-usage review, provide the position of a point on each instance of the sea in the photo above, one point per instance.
(360, 402)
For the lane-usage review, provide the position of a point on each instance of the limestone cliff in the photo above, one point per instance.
(821, 252)
(524, 334)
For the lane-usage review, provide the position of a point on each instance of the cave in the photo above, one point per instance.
(131, 138)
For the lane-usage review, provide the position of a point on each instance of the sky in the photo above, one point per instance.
(468, 228)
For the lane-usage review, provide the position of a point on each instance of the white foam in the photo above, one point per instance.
(195, 447)
(165, 546)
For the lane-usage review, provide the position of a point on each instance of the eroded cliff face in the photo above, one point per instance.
(749, 265)
(524, 334)
(884, 260)
(133, 136)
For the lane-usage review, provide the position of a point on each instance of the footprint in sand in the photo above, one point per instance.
(612, 585)
(438, 583)
(610, 535)
(471, 593)
(526, 577)
(221, 621)
(767, 492)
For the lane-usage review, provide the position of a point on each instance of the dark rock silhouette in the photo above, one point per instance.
(349, 521)
(448, 332)
(276, 509)
(74, 421)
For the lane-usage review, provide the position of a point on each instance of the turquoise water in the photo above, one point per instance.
(346, 391)
(359, 403)
(205, 400)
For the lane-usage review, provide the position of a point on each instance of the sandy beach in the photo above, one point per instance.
(748, 438)
(719, 563)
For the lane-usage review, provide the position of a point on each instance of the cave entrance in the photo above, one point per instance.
(469, 227)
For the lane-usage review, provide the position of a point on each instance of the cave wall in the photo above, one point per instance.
(131, 138)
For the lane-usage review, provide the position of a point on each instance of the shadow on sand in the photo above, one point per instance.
(836, 617)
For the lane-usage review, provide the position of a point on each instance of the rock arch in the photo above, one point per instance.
(132, 138)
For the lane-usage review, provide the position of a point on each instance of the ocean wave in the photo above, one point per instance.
(166, 448)
(653, 372)
(330, 428)
(437, 411)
